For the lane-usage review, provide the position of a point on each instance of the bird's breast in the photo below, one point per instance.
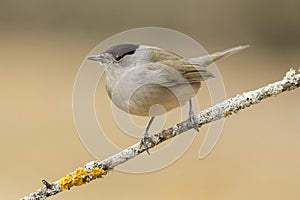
(137, 96)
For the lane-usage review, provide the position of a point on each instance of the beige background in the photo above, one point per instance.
(43, 44)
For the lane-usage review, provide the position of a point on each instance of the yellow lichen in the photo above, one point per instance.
(66, 182)
(227, 113)
(79, 177)
(97, 172)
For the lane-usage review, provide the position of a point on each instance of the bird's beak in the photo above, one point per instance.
(102, 58)
(96, 58)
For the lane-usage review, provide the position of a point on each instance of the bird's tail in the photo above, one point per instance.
(208, 59)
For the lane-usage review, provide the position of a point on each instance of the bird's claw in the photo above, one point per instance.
(192, 120)
(146, 139)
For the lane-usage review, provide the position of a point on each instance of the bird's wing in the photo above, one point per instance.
(169, 61)
(192, 73)
(164, 75)
(167, 75)
(192, 70)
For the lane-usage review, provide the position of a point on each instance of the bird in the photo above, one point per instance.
(140, 77)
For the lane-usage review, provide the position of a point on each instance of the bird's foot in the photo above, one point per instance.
(146, 139)
(192, 120)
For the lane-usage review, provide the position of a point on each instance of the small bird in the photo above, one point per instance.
(140, 77)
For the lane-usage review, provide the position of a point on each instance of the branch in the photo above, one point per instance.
(97, 169)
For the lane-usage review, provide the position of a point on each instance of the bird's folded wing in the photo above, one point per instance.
(175, 69)
(171, 73)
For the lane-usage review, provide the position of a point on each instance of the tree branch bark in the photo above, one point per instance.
(97, 169)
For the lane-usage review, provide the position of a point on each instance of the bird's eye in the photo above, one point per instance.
(117, 58)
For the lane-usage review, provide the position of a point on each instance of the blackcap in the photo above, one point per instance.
(140, 77)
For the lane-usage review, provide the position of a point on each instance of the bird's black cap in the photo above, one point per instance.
(121, 50)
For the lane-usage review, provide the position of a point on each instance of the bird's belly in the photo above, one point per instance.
(152, 99)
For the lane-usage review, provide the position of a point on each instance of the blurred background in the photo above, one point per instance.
(43, 44)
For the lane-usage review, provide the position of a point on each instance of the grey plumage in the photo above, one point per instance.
(139, 77)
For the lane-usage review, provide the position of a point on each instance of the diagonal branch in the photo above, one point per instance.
(97, 169)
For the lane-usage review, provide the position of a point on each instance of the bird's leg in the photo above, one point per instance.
(192, 117)
(145, 139)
